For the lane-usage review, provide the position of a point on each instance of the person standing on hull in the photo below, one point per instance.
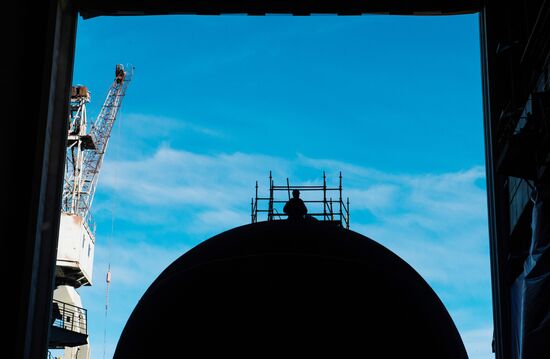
(295, 207)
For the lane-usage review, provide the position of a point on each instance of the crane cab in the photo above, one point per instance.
(75, 252)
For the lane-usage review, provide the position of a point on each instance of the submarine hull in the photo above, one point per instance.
(290, 288)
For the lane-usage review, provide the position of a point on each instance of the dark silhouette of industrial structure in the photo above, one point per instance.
(515, 52)
(290, 288)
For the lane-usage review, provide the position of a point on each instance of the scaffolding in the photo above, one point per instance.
(326, 209)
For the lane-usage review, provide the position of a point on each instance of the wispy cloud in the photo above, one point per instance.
(135, 261)
(186, 181)
(479, 342)
(162, 126)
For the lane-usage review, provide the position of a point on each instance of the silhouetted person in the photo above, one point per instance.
(295, 207)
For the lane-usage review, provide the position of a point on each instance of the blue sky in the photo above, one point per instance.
(393, 102)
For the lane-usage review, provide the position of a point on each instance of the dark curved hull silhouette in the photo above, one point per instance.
(290, 288)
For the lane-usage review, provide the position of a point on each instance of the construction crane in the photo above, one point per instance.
(86, 147)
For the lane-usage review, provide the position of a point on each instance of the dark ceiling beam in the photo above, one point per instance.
(93, 8)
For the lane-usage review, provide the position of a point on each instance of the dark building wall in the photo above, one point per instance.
(515, 42)
(42, 37)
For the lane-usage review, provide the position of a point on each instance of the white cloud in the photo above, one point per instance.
(479, 343)
(173, 177)
(375, 198)
(134, 263)
(151, 126)
(218, 221)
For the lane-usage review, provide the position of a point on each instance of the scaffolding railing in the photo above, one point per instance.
(69, 317)
(327, 209)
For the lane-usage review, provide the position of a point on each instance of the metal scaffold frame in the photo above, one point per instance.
(334, 210)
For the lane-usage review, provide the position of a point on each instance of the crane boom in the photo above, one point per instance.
(86, 149)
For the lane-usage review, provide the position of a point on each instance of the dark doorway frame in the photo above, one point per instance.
(48, 31)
